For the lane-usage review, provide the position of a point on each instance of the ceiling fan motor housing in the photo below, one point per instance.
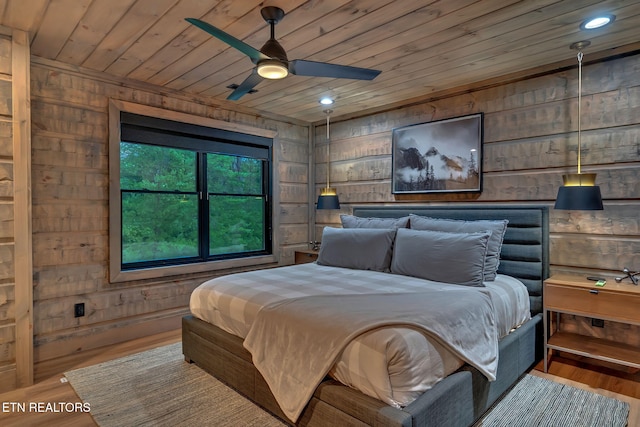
(273, 49)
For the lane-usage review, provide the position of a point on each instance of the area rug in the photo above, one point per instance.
(536, 401)
(158, 388)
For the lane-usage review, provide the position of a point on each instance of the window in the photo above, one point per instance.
(189, 195)
(159, 204)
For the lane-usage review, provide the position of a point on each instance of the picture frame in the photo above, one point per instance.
(443, 156)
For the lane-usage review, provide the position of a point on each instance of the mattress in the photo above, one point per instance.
(392, 364)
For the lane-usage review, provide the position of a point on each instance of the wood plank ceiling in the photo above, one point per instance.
(422, 47)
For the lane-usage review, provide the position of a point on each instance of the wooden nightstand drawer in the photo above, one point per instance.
(593, 302)
(302, 257)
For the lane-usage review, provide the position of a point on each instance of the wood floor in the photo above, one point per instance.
(610, 382)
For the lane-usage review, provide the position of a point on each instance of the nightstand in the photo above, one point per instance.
(302, 257)
(570, 294)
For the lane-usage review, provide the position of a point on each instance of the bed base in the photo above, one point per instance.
(458, 400)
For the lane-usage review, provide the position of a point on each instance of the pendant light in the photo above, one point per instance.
(579, 191)
(328, 198)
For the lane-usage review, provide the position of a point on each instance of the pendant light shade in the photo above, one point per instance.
(579, 198)
(328, 198)
(579, 191)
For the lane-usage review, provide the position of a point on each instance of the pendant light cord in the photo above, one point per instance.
(579, 106)
(328, 112)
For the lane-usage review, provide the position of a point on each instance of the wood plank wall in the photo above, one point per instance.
(70, 211)
(530, 141)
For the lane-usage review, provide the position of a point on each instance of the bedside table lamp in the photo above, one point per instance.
(579, 191)
(328, 198)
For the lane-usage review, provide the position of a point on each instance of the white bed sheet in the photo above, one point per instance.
(394, 365)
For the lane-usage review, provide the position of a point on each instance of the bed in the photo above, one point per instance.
(461, 397)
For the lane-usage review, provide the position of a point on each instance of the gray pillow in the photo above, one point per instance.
(359, 248)
(441, 256)
(350, 221)
(496, 227)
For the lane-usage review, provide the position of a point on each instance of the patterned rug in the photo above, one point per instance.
(536, 401)
(158, 388)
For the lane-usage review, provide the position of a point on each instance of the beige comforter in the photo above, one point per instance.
(294, 343)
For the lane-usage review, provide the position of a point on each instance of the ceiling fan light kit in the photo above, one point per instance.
(272, 69)
(272, 62)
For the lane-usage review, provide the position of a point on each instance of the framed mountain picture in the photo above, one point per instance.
(438, 157)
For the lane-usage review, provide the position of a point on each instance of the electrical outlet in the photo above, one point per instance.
(598, 323)
(78, 309)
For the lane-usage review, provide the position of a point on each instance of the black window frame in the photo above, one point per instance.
(141, 129)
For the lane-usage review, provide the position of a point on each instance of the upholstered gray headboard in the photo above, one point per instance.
(525, 250)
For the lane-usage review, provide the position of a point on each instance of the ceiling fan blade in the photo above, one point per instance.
(302, 67)
(244, 88)
(251, 52)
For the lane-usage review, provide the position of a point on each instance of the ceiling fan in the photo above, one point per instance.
(272, 62)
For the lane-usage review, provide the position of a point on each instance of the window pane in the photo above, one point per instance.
(233, 174)
(159, 226)
(236, 224)
(148, 167)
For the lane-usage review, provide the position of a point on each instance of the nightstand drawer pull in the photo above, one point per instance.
(593, 291)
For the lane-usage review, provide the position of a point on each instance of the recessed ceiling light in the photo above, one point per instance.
(326, 101)
(597, 22)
